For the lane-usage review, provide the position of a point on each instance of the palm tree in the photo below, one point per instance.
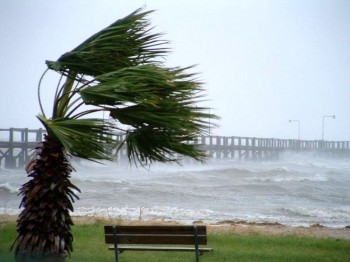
(119, 71)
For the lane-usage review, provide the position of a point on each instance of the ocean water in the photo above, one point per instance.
(296, 190)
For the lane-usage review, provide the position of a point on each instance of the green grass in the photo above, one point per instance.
(89, 246)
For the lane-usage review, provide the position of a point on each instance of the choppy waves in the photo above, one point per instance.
(329, 216)
(290, 178)
(8, 188)
(293, 193)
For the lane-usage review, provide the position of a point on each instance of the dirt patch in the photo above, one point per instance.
(229, 227)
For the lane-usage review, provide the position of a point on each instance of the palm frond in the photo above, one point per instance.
(86, 138)
(159, 104)
(126, 42)
(138, 84)
(170, 146)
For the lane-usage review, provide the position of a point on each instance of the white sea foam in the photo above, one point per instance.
(154, 213)
(7, 187)
(290, 178)
(9, 211)
(321, 215)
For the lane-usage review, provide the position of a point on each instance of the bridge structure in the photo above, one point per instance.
(17, 147)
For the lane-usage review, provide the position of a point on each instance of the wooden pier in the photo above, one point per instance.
(17, 144)
(251, 148)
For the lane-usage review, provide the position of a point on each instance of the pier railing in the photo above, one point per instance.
(17, 144)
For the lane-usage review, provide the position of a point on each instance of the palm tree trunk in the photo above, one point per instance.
(44, 224)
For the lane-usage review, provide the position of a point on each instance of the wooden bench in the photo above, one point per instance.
(157, 238)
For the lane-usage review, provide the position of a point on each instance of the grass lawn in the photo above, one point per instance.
(89, 246)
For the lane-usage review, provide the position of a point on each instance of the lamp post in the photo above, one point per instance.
(333, 116)
(209, 122)
(298, 127)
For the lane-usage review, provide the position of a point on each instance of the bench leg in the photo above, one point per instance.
(196, 242)
(115, 240)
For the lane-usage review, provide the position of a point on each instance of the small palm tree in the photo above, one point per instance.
(119, 71)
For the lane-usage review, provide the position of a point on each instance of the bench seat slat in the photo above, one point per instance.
(159, 230)
(156, 239)
(159, 248)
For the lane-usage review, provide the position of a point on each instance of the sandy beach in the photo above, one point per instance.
(230, 227)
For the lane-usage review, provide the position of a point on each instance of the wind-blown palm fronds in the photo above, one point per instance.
(127, 80)
(126, 42)
(158, 103)
(119, 72)
(75, 134)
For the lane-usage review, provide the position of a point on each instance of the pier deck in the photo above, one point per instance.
(17, 144)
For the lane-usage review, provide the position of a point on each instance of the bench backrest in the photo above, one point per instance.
(182, 235)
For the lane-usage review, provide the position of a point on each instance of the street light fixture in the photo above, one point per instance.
(333, 116)
(298, 127)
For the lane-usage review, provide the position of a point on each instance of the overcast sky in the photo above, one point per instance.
(263, 62)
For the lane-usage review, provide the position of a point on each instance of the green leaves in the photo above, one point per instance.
(140, 143)
(138, 84)
(119, 70)
(126, 42)
(86, 138)
(158, 103)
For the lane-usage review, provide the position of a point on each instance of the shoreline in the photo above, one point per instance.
(222, 227)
